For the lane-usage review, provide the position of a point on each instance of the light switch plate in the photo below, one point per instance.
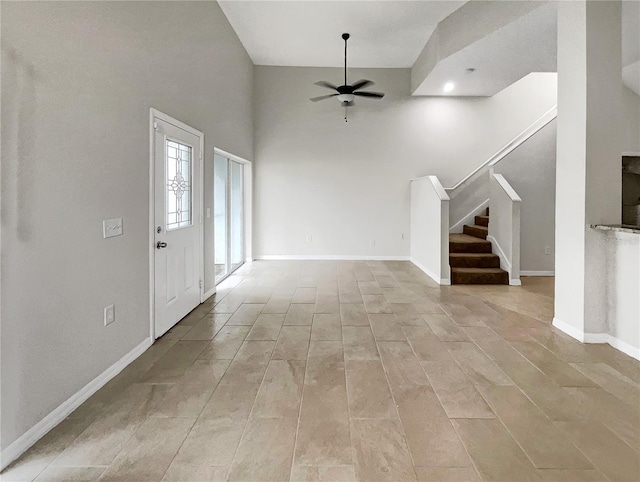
(111, 227)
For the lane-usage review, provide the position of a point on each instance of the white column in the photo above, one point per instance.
(588, 169)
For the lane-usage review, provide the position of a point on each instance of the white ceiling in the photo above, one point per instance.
(384, 33)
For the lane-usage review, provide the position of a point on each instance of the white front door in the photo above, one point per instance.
(177, 228)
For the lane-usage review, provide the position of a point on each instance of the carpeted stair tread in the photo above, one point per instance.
(479, 276)
(482, 220)
(463, 243)
(474, 260)
(477, 231)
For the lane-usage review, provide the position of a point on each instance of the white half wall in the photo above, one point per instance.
(344, 185)
(78, 79)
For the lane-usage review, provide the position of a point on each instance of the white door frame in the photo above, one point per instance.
(156, 114)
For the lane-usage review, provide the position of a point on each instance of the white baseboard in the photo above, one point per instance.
(430, 274)
(35, 433)
(600, 338)
(209, 293)
(329, 257)
(515, 282)
(537, 273)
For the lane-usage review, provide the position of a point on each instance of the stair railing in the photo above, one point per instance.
(430, 228)
(504, 227)
(538, 124)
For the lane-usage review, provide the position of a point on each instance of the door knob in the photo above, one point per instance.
(161, 245)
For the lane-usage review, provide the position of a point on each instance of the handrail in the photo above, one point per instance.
(437, 186)
(537, 125)
(506, 187)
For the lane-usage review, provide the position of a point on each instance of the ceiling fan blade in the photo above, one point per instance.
(377, 95)
(326, 84)
(322, 97)
(362, 83)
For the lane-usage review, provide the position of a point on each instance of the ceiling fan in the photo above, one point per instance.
(346, 93)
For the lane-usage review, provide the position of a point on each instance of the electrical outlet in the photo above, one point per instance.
(109, 314)
(547, 250)
(373, 242)
(309, 238)
(401, 235)
(111, 228)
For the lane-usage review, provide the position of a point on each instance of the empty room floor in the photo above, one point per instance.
(357, 370)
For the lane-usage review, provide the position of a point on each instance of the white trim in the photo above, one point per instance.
(568, 329)
(597, 338)
(470, 215)
(537, 273)
(440, 281)
(328, 257)
(228, 155)
(40, 429)
(209, 293)
(504, 262)
(156, 114)
(506, 187)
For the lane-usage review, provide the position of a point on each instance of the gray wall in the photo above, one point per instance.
(346, 184)
(531, 171)
(78, 79)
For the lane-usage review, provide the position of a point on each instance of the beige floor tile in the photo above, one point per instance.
(101, 442)
(148, 454)
(407, 314)
(45, 450)
(376, 304)
(380, 451)
(325, 363)
(226, 343)
(430, 435)
(401, 364)
(621, 418)
(368, 390)
(559, 371)
(299, 314)
(207, 327)
(458, 395)
(211, 443)
(178, 472)
(228, 305)
(386, 327)
(326, 327)
(492, 344)
(359, 343)
(293, 343)
(446, 474)
(543, 443)
(188, 397)
(70, 474)
(476, 365)
(351, 296)
(354, 314)
(445, 328)
(304, 295)
(265, 450)
(397, 295)
(611, 380)
(369, 288)
(323, 431)
(246, 314)
(548, 397)
(327, 303)
(426, 345)
(611, 456)
(281, 390)
(322, 473)
(277, 305)
(570, 475)
(494, 452)
(171, 366)
(259, 295)
(266, 327)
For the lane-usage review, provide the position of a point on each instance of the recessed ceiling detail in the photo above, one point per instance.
(307, 33)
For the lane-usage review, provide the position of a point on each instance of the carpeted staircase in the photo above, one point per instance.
(471, 258)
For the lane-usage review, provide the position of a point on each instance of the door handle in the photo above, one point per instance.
(161, 245)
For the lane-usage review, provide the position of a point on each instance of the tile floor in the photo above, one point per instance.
(341, 371)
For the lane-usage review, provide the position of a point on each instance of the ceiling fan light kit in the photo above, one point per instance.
(346, 93)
